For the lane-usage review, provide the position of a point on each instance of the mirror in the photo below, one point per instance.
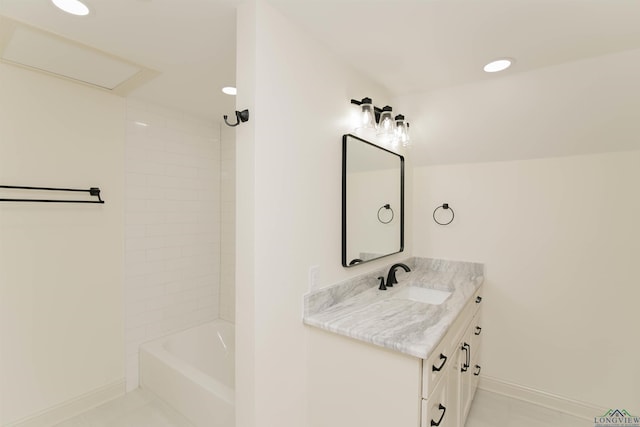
(372, 201)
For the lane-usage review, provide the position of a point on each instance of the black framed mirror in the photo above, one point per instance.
(372, 201)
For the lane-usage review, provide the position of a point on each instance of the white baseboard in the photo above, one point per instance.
(537, 397)
(73, 407)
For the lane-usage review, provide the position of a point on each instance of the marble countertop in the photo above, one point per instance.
(356, 308)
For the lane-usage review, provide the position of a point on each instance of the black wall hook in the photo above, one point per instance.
(241, 117)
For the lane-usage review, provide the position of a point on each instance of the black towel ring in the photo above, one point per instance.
(388, 207)
(444, 206)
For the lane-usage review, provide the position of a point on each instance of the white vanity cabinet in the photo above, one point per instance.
(450, 375)
(353, 383)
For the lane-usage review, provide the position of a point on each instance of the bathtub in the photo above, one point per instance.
(193, 371)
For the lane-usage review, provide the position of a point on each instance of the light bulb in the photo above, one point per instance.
(367, 118)
(386, 125)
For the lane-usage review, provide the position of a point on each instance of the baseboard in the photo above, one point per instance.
(73, 407)
(537, 397)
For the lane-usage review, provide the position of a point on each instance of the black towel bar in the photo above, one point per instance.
(93, 191)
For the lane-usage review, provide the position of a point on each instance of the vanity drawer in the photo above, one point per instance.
(436, 366)
(435, 410)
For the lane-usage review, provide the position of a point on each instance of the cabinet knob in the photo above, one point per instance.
(478, 369)
(444, 411)
(478, 300)
(478, 330)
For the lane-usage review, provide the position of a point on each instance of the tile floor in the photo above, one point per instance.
(494, 410)
(136, 409)
(141, 409)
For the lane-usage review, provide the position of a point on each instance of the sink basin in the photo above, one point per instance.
(423, 295)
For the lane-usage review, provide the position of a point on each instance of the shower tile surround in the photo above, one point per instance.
(173, 225)
(356, 308)
(228, 225)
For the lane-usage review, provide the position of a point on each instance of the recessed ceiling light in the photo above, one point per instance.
(74, 7)
(498, 65)
(229, 90)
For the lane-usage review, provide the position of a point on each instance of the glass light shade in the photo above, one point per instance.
(407, 142)
(401, 135)
(366, 118)
(386, 125)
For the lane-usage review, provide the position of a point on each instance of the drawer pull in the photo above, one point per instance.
(478, 330)
(478, 300)
(444, 361)
(479, 368)
(444, 410)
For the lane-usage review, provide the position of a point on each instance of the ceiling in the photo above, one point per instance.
(419, 45)
(191, 43)
(407, 46)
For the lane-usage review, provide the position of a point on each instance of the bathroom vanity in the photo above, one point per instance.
(405, 356)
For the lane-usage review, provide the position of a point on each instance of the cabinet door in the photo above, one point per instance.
(466, 373)
(476, 347)
(470, 365)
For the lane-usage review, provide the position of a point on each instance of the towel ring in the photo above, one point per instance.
(446, 207)
(388, 207)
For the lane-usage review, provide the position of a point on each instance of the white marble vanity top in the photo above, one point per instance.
(356, 308)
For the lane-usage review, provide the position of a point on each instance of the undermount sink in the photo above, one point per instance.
(423, 295)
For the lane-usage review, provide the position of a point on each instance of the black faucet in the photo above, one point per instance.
(391, 277)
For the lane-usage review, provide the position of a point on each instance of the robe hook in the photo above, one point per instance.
(241, 117)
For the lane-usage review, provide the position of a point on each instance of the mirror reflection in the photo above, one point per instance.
(372, 201)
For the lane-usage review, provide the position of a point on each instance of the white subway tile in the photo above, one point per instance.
(163, 254)
(173, 217)
(145, 318)
(133, 231)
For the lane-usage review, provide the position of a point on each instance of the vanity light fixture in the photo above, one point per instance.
(74, 7)
(381, 123)
(498, 65)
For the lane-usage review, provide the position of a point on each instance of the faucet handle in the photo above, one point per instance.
(382, 286)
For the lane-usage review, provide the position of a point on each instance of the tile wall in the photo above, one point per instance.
(228, 225)
(172, 225)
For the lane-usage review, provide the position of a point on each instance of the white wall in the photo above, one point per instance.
(172, 214)
(61, 305)
(559, 234)
(560, 240)
(288, 205)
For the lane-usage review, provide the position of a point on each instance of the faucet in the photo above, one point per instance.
(391, 277)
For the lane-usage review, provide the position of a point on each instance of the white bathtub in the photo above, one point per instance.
(193, 371)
